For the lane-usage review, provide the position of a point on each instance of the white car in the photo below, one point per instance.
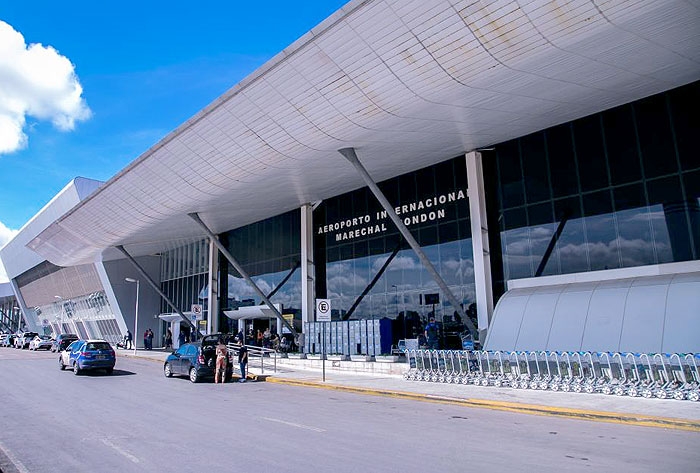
(41, 342)
(23, 339)
(64, 356)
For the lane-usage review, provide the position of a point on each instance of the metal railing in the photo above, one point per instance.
(660, 375)
(255, 351)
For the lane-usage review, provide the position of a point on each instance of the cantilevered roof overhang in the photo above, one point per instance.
(408, 84)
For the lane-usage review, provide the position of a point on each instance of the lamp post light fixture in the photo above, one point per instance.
(136, 315)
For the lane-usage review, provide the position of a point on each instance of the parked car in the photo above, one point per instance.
(64, 355)
(41, 342)
(197, 360)
(62, 341)
(22, 341)
(7, 340)
(82, 355)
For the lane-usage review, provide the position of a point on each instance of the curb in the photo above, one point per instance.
(533, 409)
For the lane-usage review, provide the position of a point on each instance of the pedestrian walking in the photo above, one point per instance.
(242, 359)
(168, 339)
(127, 339)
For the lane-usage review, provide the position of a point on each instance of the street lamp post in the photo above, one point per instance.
(136, 315)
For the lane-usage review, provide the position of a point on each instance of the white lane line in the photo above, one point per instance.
(120, 450)
(15, 461)
(292, 424)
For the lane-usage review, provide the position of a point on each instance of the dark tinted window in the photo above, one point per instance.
(94, 346)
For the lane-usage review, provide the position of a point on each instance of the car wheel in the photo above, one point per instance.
(167, 371)
(76, 368)
(109, 370)
(194, 375)
(60, 363)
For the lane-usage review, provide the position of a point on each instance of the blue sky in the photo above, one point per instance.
(144, 67)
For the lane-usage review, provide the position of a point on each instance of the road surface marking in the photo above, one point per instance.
(301, 426)
(120, 450)
(13, 459)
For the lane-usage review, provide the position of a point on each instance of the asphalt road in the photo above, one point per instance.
(136, 420)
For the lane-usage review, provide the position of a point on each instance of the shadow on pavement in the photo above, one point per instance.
(102, 374)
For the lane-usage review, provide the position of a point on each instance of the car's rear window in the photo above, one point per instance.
(92, 346)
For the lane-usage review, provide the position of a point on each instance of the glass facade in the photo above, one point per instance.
(620, 188)
(68, 300)
(184, 276)
(270, 252)
(354, 239)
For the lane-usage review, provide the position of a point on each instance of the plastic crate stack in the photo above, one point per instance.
(655, 375)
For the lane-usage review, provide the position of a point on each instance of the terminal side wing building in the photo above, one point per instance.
(526, 171)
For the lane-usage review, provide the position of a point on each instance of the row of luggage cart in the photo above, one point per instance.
(655, 375)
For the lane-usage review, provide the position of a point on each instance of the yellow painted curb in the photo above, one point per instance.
(581, 414)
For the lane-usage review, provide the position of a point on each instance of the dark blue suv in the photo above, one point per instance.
(197, 360)
(91, 355)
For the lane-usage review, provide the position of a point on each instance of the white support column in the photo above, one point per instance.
(213, 292)
(307, 264)
(480, 242)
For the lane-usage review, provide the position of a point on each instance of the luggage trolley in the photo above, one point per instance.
(693, 388)
(412, 371)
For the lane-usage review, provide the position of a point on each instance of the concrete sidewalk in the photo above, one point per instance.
(665, 413)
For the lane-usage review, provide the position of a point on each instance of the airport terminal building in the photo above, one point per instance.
(525, 173)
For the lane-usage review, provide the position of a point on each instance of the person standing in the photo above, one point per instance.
(168, 339)
(181, 338)
(242, 360)
(127, 339)
(431, 334)
(150, 339)
(145, 340)
(221, 353)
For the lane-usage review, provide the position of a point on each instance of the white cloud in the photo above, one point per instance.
(36, 81)
(6, 234)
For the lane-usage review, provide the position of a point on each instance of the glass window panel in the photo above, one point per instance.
(629, 197)
(433, 254)
(669, 220)
(686, 123)
(540, 237)
(655, 139)
(540, 214)
(450, 263)
(621, 143)
(590, 154)
(517, 258)
(534, 159)
(510, 174)
(601, 233)
(635, 239)
(571, 245)
(692, 192)
(562, 164)
(408, 266)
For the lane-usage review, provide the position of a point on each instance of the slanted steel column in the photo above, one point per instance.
(349, 154)
(212, 237)
(155, 286)
(480, 242)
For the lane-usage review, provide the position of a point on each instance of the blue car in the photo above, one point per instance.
(85, 355)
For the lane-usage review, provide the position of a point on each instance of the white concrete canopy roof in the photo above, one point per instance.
(407, 83)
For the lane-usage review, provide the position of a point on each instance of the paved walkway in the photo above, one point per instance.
(666, 413)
